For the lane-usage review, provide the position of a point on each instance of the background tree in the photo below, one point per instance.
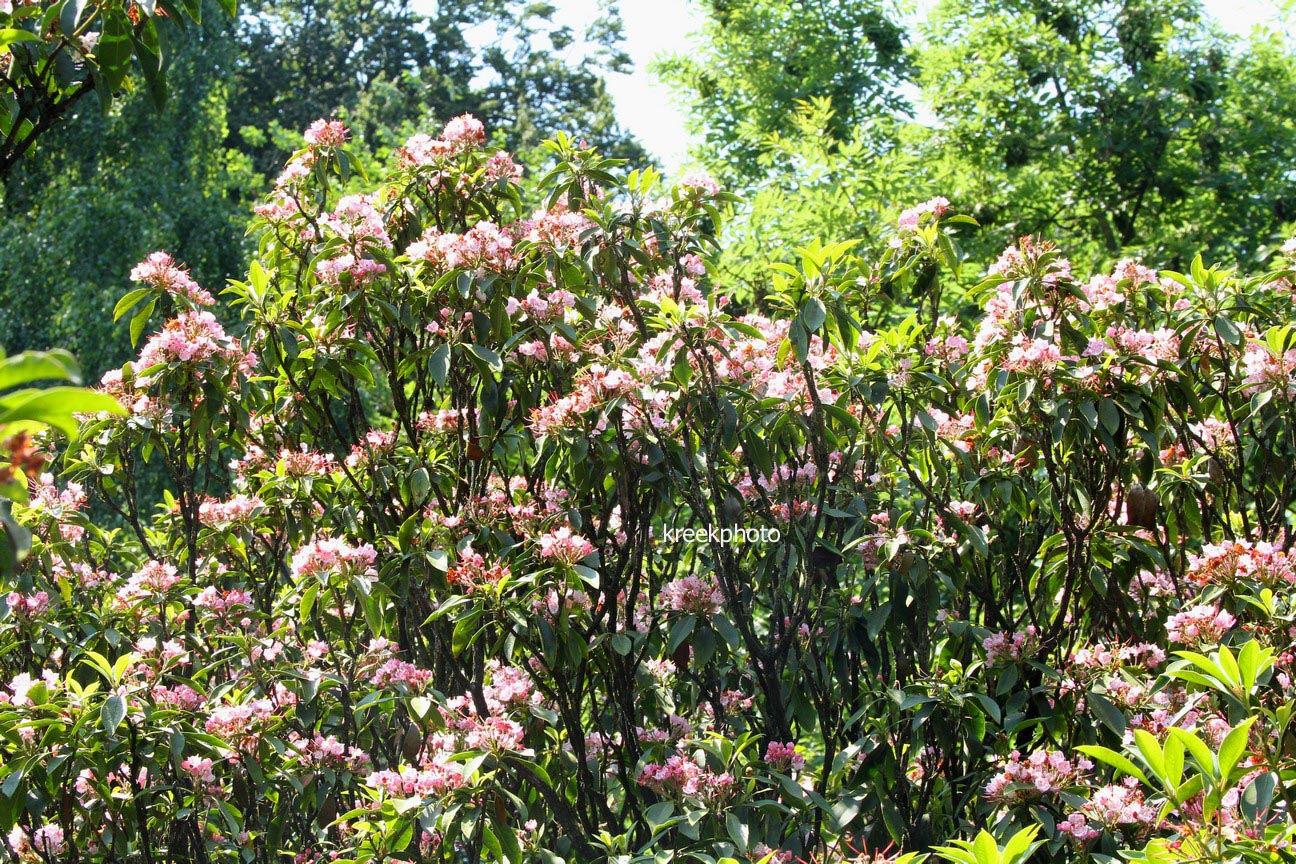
(756, 60)
(1119, 127)
(54, 54)
(105, 191)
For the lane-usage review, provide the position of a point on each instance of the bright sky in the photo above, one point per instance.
(645, 106)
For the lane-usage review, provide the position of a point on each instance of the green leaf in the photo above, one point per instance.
(32, 366)
(140, 321)
(55, 407)
(813, 313)
(9, 35)
(488, 358)
(112, 713)
(113, 52)
(1233, 748)
(1119, 761)
(1227, 330)
(439, 364)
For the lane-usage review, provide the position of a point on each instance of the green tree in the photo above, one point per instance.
(758, 59)
(1119, 128)
(106, 190)
(54, 54)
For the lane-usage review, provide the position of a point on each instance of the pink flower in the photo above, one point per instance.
(1043, 773)
(695, 595)
(160, 271)
(784, 756)
(326, 133)
(464, 132)
(564, 547)
(1200, 625)
(333, 557)
(1010, 647)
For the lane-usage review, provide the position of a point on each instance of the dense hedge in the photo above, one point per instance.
(1012, 577)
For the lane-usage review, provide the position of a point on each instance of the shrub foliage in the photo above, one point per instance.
(496, 532)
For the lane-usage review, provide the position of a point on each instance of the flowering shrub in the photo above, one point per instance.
(416, 589)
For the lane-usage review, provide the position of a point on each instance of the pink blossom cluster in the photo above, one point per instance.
(385, 669)
(564, 547)
(220, 601)
(238, 510)
(679, 776)
(1032, 356)
(358, 221)
(694, 595)
(484, 246)
(473, 572)
(327, 557)
(783, 756)
(1043, 772)
(1100, 656)
(1232, 560)
(326, 133)
(432, 780)
(701, 182)
(347, 271)
(194, 336)
(1200, 625)
(1114, 807)
(934, 207)
(160, 271)
(27, 606)
(155, 577)
(241, 725)
(326, 751)
(46, 843)
(1266, 370)
(1006, 647)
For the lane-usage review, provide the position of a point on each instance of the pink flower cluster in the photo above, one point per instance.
(684, 777)
(1115, 807)
(1268, 371)
(28, 606)
(695, 595)
(333, 557)
(222, 514)
(193, 337)
(1200, 625)
(436, 779)
(241, 725)
(910, 219)
(1010, 647)
(484, 246)
(1044, 772)
(346, 271)
(783, 756)
(472, 571)
(1241, 559)
(159, 270)
(326, 133)
(326, 751)
(564, 547)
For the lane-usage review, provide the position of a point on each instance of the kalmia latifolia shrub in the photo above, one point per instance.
(987, 568)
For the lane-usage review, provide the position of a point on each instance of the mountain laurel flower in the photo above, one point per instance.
(1010, 647)
(695, 595)
(333, 557)
(159, 270)
(784, 756)
(464, 133)
(564, 547)
(1200, 625)
(326, 133)
(1043, 773)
